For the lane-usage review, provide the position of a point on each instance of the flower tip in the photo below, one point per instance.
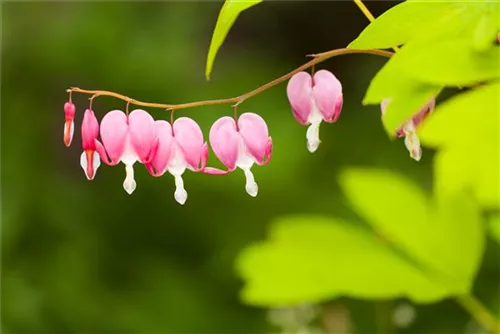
(312, 136)
(129, 185)
(180, 196)
(252, 189)
(313, 146)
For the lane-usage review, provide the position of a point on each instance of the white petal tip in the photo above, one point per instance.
(312, 136)
(181, 196)
(252, 189)
(312, 146)
(129, 186)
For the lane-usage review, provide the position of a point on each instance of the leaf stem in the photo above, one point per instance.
(368, 15)
(479, 312)
(317, 58)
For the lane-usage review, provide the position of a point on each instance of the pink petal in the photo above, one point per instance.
(164, 150)
(114, 129)
(188, 135)
(69, 125)
(253, 130)
(424, 112)
(69, 111)
(299, 92)
(214, 171)
(224, 140)
(327, 92)
(142, 131)
(90, 130)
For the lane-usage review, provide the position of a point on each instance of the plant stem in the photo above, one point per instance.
(368, 15)
(317, 58)
(479, 312)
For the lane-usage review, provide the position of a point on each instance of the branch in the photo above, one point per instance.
(317, 58)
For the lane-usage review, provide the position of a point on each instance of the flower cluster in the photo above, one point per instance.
(136, 137)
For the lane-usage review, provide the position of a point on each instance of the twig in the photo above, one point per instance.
(317, 58)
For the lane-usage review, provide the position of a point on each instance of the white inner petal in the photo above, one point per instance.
(180, 193)
(84, 164)
(129, 184)
(97, 162)
(177, 166)
(245, 161)
(315, 118)
(71, 131)
(412, 144)
(129, 157)
(251, 186)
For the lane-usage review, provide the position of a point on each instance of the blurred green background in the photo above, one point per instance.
(82, 256)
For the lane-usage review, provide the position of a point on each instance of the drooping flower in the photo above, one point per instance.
(409, 128)
(127, 138)
(69, 124)
(89, 160)
(313, 100)
(180, 147)
(241, 145)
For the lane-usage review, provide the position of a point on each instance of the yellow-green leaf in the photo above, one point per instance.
(407, 94)
(469, 117)
(227, 16)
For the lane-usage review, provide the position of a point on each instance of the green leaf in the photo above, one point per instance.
(486, 32)
(466, 129)
(430, 21)
(472, 168)
(494, 227)
(399, 24)
(432, 235)
(448, 63)
(227, 16)
(469, 117)
(413, 254)
(407, 95)
(311, 259)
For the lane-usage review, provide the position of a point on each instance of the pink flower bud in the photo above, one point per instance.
(313, 100)
(408, 129)
(241, 145)
(90, 130)
(69, 124)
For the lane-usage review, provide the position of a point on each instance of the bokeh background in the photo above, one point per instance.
(82, 256)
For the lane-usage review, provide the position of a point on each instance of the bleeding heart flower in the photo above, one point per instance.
(408, 129)
(90, 130)
(180, 147)
(241, 145)
(313, 100)
(127, 138)
(69, 124)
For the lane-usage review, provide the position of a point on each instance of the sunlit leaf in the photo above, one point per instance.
(450, 63)
(433, 235)
(494, 227)
(309, 258)
(466, 129)
(472, 116)
(227, 16)
(407, 95)
(472, 168)
(417, 251)
(416, 20)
